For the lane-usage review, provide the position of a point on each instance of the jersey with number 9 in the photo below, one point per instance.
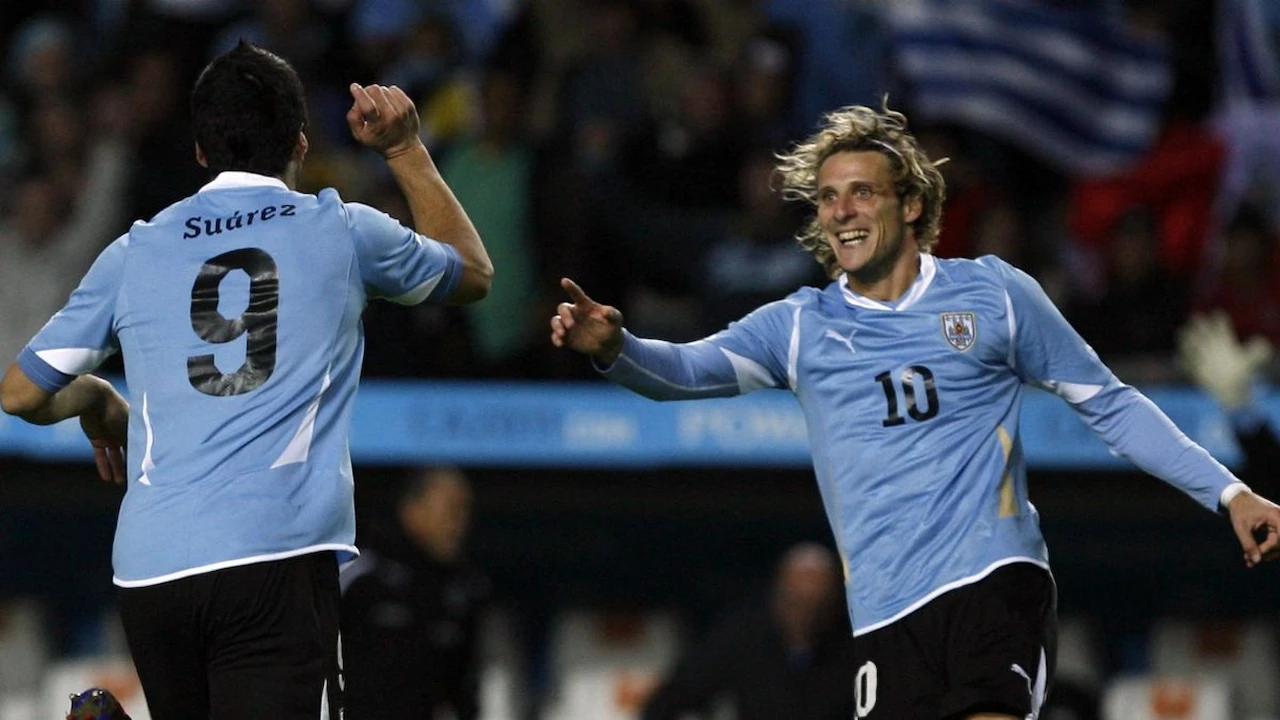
(237, 311)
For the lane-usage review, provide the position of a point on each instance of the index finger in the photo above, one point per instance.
(575, 293)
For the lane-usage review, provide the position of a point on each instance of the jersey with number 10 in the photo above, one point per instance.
(238, 314)
(912, 411)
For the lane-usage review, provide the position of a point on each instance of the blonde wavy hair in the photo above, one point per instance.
(859, 128)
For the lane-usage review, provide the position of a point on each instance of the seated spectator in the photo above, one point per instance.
(788, 656)
(411, 607)
(1142, 303)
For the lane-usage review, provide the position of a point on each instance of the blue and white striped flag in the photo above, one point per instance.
(1070, 85)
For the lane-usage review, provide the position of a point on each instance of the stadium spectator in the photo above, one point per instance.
(411, 608)
(764, 76)
(492, 172)
(1142, 303)
(753, 259)
(238, 505)
(785, 656)
(910, 371)
(63, 213)
(153, 86)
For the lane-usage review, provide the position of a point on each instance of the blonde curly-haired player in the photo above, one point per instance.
(911, 371)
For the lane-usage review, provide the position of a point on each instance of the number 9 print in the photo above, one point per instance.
(258, 320)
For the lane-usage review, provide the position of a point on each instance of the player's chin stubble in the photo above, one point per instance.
(880, 264)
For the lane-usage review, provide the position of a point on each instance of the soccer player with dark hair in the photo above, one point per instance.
(237, 311)
(911, 371)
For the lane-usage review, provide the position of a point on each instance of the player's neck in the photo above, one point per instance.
(290, 175)
(893, 284)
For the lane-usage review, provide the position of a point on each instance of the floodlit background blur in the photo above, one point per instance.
(1124, 152)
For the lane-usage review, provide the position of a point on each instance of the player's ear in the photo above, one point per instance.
(912, 207)
(201, 158)
(300, 150)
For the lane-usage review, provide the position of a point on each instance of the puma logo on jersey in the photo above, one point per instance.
(846, 341)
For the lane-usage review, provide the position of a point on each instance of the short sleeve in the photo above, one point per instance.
(82, 334)
(399, 264)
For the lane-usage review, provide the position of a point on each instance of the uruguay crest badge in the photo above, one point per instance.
(960, 329)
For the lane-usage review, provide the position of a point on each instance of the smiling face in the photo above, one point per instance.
(866, 223)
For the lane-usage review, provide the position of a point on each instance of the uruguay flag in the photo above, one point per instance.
(1070, 85)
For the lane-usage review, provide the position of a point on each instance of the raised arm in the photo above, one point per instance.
(385, 119)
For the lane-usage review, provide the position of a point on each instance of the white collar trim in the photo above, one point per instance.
(238, 179)
(928, 268)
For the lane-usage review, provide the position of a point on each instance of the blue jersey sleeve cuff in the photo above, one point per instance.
(42, 373)
(627, 341)
(452, 273)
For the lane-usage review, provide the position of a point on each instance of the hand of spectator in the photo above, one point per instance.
(1251, 516)
(383, 118)
(1217, 361)
(587, 326)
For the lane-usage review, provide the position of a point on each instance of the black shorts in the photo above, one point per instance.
(248, 642)
(989, 646)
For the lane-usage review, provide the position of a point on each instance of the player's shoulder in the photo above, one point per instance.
(329, 196)
(988, 268)
(360, 217)
(804, 299)
(174, 212)
(988, 271)
(809, 296)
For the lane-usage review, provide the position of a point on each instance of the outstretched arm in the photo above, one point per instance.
(1049, 353)
(103, 413)
(386, 120)
(731, 362)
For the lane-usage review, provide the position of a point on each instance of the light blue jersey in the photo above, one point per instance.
(238, 313)
(912, 410)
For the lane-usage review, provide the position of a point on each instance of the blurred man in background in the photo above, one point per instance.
(787, 656)
(411, 609)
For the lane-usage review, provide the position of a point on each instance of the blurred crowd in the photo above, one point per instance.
(629, 144)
